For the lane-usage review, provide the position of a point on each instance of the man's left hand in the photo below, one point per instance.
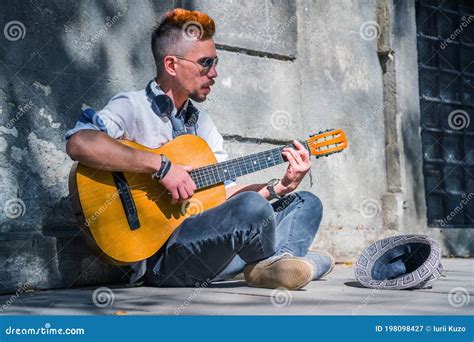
(299, 165)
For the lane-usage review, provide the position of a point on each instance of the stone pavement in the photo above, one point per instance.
(338, 294)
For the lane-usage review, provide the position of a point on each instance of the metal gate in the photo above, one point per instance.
(445, 40)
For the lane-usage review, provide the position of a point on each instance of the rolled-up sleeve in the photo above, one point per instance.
(115, 119)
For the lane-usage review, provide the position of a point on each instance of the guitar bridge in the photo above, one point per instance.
(127, 200)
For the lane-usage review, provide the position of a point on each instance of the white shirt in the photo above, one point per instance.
(130, 116)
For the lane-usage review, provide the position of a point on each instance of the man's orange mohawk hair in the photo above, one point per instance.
(194, 23)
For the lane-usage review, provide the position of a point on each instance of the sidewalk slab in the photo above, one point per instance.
(338, 294)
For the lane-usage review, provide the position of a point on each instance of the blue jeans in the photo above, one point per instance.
(219, 242)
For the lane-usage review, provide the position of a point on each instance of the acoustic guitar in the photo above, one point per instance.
(129, 216)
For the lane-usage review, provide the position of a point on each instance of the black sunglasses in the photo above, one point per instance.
(206, 62)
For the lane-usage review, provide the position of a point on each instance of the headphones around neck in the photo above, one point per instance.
(162, 104)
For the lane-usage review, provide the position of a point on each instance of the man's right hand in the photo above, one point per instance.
(179, 183)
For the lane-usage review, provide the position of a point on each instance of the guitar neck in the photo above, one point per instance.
(231, 169)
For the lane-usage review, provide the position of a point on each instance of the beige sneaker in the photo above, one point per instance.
(283, 270)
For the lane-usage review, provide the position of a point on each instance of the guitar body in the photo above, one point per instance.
(100, 209)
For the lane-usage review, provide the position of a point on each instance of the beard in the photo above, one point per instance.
(197, 97)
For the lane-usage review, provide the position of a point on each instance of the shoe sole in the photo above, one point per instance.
(291, 274)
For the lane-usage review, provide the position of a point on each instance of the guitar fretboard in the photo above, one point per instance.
(231, 169)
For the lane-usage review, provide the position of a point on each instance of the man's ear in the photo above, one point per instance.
(169, 64)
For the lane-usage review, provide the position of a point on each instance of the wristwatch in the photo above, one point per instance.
(271, 188)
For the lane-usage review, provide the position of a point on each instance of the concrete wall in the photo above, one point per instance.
(287, 69)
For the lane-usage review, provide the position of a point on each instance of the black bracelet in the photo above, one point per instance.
(164, 168)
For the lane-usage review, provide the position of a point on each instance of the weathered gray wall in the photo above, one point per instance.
(288, 69)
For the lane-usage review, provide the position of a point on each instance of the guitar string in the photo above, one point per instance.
(144, 208)
(237, 167)
(206, 176)
(203, 174)
(148, 213)
(211, 170)
(200, 178)
(211, 174)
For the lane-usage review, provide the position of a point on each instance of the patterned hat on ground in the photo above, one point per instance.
(400, 262)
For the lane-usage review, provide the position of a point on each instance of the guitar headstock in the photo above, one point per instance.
(327, 142)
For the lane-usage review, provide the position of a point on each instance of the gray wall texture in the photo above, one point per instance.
(288, 69)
